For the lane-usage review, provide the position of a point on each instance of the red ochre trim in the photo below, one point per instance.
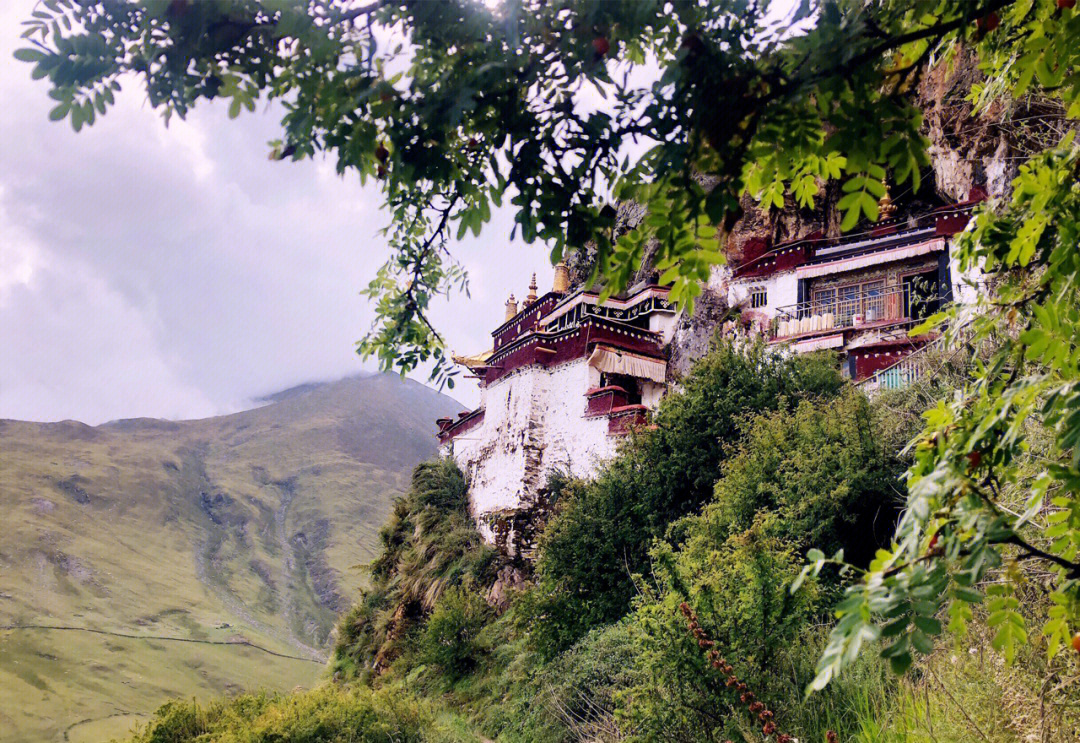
(622, 419)
(571, 345)
(466, 422)
(628, 409)
(600, 390)
(761, 260)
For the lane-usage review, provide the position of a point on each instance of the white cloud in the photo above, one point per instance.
(190, 140)
(177, 272)
(73, 347)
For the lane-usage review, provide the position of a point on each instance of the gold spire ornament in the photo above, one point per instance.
(562, 278)
(886, 207)
(511, 309)
(532, 290)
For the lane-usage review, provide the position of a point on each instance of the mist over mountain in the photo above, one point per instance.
(140, 536)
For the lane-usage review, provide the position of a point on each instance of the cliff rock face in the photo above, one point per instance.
(971, 154)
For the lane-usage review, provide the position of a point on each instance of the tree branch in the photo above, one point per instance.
(1034, 553)
(418, 266)
(351, 15)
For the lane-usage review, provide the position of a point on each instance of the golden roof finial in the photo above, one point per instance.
(562, 278)
(886, 207)
(532, 290)
(511, 308)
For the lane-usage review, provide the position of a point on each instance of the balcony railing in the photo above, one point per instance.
(904, 372)
(923, 363)
(847, 309)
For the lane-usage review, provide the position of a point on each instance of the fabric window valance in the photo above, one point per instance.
(613, 361)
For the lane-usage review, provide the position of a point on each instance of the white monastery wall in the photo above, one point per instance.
(575, 444)
(533, 423)
(781, 290)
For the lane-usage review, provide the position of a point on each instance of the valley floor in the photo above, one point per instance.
(44, 697)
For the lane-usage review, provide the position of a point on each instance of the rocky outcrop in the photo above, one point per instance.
(510, 579)
(973, 154)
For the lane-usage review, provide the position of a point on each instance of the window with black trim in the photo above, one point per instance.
(759, 297)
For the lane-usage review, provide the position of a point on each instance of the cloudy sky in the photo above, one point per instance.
(176, 272)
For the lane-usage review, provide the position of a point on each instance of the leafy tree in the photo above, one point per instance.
(814, 474)
(602, 534)
(821, 468)
(457, 105)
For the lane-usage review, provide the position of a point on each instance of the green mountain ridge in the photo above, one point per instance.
(189, 548)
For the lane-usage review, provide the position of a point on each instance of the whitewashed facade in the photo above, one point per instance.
(565, 380)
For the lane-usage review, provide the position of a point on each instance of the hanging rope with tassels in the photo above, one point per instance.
(756, 707)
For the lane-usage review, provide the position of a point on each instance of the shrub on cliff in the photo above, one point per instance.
(601, 537)
(813, 475)
(739, 587)
(449, 640)
(429, 545)
(821, 469)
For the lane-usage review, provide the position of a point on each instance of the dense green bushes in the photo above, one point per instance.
(811, 475)
(450, 637)
(601, 537)
(820, 468)
(326, 715)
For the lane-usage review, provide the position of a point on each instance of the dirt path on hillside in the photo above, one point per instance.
(238, 642)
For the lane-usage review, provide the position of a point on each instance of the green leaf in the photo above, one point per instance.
(29, 55)
(900, 663)
(922, 643)
(929, 625)
(965, 594)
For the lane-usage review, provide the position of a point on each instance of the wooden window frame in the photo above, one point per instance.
(834, 304)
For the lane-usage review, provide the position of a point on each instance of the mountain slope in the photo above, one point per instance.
(237, 528)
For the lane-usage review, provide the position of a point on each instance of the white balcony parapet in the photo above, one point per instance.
(867, 308)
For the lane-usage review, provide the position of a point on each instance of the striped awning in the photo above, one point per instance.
(613, 361)
(816, 344)
(871, 259)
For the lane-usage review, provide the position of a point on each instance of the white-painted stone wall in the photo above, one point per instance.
(533, 423)
(781, 290)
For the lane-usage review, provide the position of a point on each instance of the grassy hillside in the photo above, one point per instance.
(230, 530)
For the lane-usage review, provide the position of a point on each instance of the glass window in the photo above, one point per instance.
(873, 294)
(759, 297)
(848, 303)
(824, 301)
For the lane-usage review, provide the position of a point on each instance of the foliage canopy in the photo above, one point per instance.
(561, 107)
